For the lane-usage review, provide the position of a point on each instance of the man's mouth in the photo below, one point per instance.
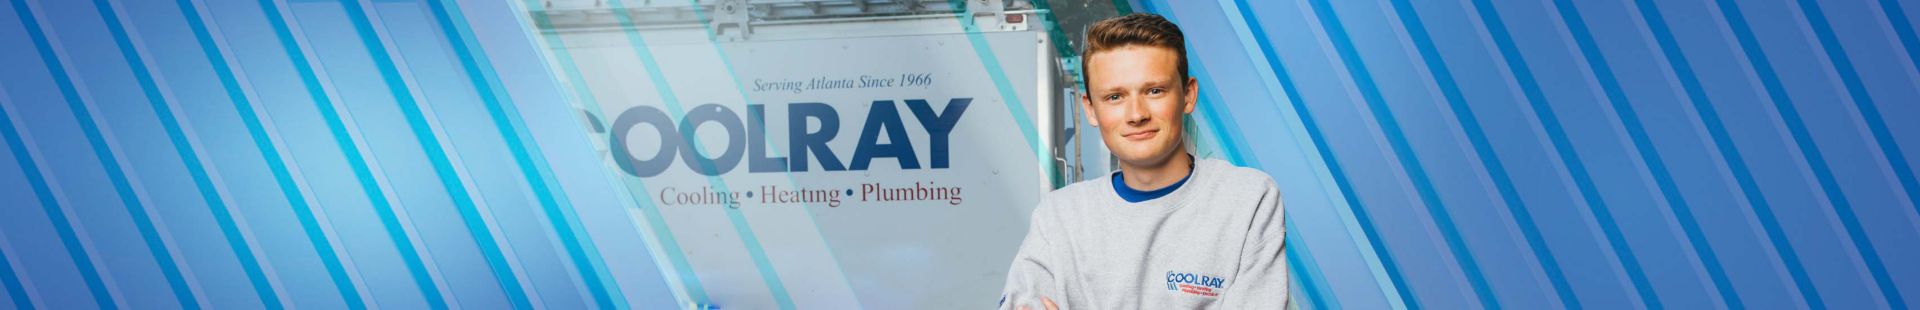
(1141, 135)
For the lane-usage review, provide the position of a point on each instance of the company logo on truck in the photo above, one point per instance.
(747, 137)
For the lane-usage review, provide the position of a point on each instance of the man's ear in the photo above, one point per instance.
(1192, 94)
(1086, 108)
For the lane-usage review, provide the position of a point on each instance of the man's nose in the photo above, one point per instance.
(1137, 112)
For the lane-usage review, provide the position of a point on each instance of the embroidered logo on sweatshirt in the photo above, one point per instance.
(1195, 284)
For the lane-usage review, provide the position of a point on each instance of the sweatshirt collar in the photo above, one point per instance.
(1132, 195)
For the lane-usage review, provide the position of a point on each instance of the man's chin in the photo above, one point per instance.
(1141, 155)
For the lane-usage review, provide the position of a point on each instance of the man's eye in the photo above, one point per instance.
(1155, 91)
(1113, 97)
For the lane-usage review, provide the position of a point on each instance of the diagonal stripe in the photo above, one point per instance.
(186, 149)
(741, 228)
(1910, 43)
(688, 288)
(1557, 137)
(10, 280)
(1723, 142)
(1365, 244)
(1596, 61)
(741, 89)
(1837, 57)
(103, 151)
(226, 72)
(83, 262)
(349, 148)
(1489, 160)
(578, 245)
(1214, 109)
(1796, 127)
(991, 63)
(1903, 29)
(1403, 151)
(1222, 125)
(1300, 259)
(1394, 281)
(491, 248)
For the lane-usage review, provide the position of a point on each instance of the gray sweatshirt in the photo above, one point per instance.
(1216, 242)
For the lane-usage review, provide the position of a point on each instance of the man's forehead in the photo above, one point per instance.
(1111, 83)
(1133, 64)
(1135, 50)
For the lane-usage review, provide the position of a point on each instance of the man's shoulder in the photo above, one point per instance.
(1227, 173)
(1078, 191)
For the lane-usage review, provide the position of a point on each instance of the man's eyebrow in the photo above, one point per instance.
(1142, 84)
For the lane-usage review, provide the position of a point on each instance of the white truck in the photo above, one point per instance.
(823, 154)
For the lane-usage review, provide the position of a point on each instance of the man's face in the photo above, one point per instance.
(1137, 98)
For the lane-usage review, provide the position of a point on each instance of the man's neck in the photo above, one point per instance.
(1154, 177)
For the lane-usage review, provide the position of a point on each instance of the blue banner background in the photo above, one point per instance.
(1443, 154)
(1686, 154)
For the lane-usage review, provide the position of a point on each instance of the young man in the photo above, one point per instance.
(1167, 231)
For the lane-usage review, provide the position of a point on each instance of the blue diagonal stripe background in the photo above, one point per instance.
(1521, 154)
